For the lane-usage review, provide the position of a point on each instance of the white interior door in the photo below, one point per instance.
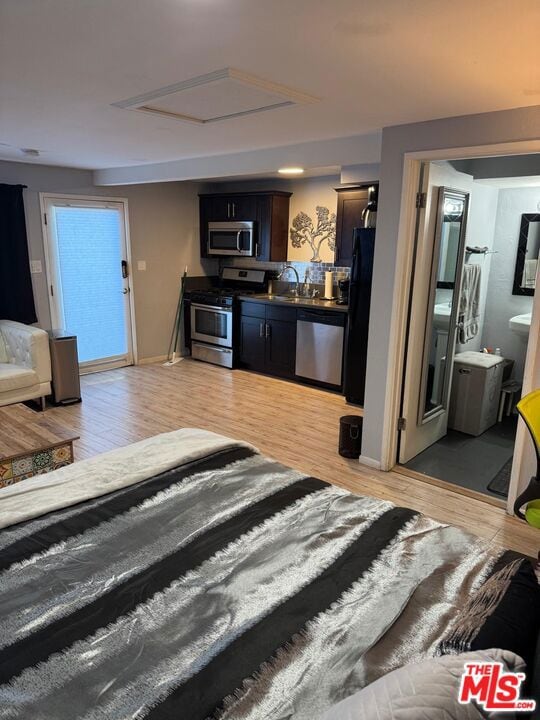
(89, 288)
(440, 246)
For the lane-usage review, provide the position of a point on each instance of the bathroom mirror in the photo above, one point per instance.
(527, 255)
(443, 305)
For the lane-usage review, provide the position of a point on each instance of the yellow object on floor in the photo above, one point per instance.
(532, 513)
(529, 409)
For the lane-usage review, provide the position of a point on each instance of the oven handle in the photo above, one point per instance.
(217, 348)
(211, 307)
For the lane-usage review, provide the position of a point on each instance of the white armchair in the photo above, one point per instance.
(25, 363)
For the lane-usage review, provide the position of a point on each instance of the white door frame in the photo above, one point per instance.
(44, 199)
(400, 304)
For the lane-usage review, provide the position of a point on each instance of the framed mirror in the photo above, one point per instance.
(440, 334)
(527, 255)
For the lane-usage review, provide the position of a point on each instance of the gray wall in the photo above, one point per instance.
(501, 305)
(164, 231)
(467, 131)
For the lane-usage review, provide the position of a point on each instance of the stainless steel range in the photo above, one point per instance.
(214, 314)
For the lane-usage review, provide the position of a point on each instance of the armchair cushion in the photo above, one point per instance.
(25, 374)
(27, 347)
(15, 377)
(4, 356)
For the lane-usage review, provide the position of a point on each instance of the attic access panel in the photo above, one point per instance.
(216, 96)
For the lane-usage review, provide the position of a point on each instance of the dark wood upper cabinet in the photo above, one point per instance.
(220, 208)
(268, 210)
(273, 226)
(351, 203)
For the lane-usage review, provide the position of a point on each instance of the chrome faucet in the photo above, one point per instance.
(296, 290)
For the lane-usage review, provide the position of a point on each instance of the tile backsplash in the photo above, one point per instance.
(316, 270)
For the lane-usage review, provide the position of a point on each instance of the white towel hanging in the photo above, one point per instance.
(469, 303)
(529, 273)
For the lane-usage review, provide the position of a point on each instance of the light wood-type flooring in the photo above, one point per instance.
(23, 431)
(296, 425)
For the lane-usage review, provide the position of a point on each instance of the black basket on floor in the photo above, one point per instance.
(350, 436)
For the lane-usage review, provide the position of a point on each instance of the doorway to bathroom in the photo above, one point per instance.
(476, 262)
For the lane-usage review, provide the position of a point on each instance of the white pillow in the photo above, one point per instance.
(422, 691)
(4, 355)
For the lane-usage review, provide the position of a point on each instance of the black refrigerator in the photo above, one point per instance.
(358, 321)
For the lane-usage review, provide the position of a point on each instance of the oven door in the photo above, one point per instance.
(230, 239)
(211, 324)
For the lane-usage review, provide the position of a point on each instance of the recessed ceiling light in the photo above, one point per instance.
(291, 170)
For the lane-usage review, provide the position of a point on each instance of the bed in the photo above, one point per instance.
(188, 576)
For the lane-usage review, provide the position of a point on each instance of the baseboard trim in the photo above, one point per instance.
(102, 367)
(370, 462)
(150, 360)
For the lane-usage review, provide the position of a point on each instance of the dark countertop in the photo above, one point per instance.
(303, 302)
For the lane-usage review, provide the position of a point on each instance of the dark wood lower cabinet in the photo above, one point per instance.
(252, 343)
(281, 347)
(268, 343)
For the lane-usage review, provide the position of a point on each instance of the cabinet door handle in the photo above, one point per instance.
(234, 210)
(261, 330)
(268, 330)
(229, 210)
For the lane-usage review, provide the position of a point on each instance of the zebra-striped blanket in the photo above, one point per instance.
(227, 586)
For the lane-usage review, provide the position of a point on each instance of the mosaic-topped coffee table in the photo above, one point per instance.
(31, 444)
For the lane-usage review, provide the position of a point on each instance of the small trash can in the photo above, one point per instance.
(350, 435)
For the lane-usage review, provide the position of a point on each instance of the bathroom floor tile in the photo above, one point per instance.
(469, 461)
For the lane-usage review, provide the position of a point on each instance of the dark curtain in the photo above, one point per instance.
(16, 294)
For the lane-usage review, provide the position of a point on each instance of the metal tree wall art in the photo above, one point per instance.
(305, 231)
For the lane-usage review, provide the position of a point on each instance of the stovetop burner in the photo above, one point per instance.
(229, 291)
(246, 282)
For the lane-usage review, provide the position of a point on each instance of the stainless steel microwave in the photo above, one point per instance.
(231, 238)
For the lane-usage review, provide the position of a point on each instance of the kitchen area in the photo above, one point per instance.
(292, 292)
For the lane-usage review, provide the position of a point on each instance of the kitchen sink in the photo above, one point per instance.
(291, 299)
(521, 324)
(441, 316)
(303, 300)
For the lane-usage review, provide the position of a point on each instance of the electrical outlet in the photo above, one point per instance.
(35, 266)
(141, 265)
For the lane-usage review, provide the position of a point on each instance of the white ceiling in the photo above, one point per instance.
(372, 64)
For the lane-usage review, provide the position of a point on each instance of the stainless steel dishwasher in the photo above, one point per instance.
(319, 345)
